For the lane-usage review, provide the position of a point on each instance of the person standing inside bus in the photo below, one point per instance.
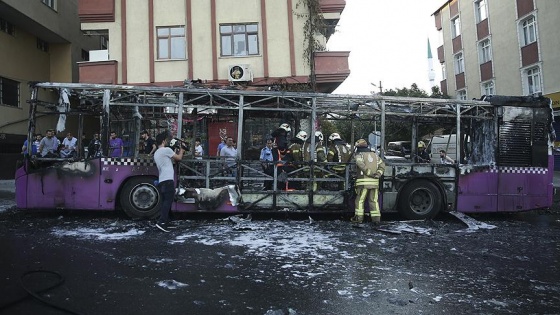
(370, 168)
(34, 145)
(164, 158)
(49, 145)
(423, 156)
(115, 145)
(266, 158)
(198, 150)
(69, 146)
(94, 146)
(149, 143)
(338, 152)
(444, 159)
(230, 154)
(221, 145)
(294, 158)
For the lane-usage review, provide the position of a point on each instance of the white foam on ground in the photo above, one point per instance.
(98, 233)
(7, 205)
(171, 284)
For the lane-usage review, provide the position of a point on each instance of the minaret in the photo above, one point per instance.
(431, 72)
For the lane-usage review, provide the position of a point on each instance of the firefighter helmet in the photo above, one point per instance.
(285, 127)
(421, 144)
(361, 143)
(302, 135)
(319, 135)
(334, 136)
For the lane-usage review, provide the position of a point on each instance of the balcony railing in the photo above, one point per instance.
(332, 6)
(100, 72)
(331, 66)
(96, 10)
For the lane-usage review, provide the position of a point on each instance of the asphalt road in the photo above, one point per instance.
(221, 265)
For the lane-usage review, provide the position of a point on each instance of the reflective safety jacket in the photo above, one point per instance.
(320, 153)
(339, 151)
(369, 165)
(295, 152)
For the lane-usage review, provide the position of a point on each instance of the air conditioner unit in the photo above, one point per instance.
(241, 72)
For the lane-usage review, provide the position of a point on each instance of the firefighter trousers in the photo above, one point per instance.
(371, 195)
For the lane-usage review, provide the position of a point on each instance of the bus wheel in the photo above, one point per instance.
(140, 198)
(420, 200)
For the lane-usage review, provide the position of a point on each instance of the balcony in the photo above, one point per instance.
(331, 69)
(332, 6)
(529, 54)
(96, 11)
(100, 72)
(440, 54)
(486, 72)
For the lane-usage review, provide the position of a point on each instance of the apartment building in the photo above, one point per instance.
(40, 40)
(499, 47)
(249, 44)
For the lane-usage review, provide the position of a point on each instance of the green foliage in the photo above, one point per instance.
(314, 25)
(415, 91)
(394, 130)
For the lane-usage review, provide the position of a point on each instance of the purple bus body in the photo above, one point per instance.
(88, 185)
(95, 185)
(506, 189)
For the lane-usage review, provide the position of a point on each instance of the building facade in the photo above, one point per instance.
(247, 43)
(499, 47)
(40, 40)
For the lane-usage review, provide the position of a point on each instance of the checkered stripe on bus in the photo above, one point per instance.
(128, 161)
(519, 170)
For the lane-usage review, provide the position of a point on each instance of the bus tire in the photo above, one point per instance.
(419, 200)
(139, 198)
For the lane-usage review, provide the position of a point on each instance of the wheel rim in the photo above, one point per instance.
(144, 197)
(421, 201)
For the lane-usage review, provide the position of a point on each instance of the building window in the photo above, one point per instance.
(50, 3)
(42, 45)
(171, 43)
(462, 95)
(528, 31)
(487, 88)
(9, 92)
(85, 55)
(7, 27)
(480, 10)
(484, 51)
(455, 27)
(443, 72)
(239, 39)
(533, 80)
(459, 63)
(104, 42)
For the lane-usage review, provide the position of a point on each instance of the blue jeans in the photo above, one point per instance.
(167, 192)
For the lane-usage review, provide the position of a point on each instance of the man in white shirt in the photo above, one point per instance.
(164, 158)
(69, 149)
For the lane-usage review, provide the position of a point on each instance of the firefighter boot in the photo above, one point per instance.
(375, 220)
(357, 219)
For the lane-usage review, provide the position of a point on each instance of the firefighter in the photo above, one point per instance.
(294, 157)
(339, 152)
(370, 168)
(423, 156)
(280, 136)
(320, 154)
